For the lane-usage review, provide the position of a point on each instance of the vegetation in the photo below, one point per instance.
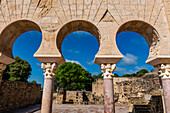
(34, 82)
(116, 75)
(72, 76)
(20, 70)
(94, 77)
(137, 74)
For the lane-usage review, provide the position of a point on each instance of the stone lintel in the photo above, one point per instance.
(107, 59)
(160, 59)
(5, 60)
(50, 59)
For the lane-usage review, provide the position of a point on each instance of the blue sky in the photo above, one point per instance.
(81, 47)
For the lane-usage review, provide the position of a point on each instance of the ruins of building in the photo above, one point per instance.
(137, 92)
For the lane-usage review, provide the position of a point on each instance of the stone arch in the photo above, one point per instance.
(76, 25)
(12, 31)
(147, 31)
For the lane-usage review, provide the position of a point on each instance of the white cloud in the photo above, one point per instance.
(38, 64)
(77, 62)
(95, 73)
(72, 51)
(141, 67)
(91, 63)
(129, 60)
(124, 71)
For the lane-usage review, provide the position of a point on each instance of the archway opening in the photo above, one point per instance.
(85, 32)
(22, 38)
(136, 37)
(81, 47)
(78, 41)
(135, 50)
(77, 25)
(25, 46)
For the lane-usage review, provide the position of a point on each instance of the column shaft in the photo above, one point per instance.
(47, 95)
(166, 88)
(109, 106)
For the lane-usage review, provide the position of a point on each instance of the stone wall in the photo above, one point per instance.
(18, 94)
(97, 87)
(132, 90)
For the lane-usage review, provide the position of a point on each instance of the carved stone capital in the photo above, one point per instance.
(49, 69)
(163, 70)
(108, 70)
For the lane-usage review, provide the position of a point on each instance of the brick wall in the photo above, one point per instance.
(18, 94)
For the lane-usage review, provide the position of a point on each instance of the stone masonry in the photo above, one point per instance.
(104, 19)
(127, 89)
(18, 94)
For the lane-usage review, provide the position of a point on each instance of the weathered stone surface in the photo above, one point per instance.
(18, 94)
(150, 19)
(132, 90)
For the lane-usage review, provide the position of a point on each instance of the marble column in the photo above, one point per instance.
(2, 67)
(49, 69)
(107, 69)
(164, 71)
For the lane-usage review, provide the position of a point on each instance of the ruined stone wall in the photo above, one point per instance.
(132, 89)
(75, 96)
(97, 87)
(18, 94)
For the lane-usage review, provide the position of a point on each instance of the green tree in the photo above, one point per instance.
(133, 75)
(127, 75)
(94, 77)
(20, 70)
(116, 75)
(138, 74)
(72, 76)
(141, 72)
(34, 82)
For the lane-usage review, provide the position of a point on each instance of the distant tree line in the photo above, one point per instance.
(137, 74)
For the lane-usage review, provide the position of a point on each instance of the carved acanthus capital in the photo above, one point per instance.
(164, 70)
(2, 67)
(49, 69)
(108, 70)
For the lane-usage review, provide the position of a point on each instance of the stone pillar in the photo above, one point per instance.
(49, 69)
(164, 70)
(107, 69)
(2, 67)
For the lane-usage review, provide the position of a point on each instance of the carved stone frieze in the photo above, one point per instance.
(49, 27)
(108, 70)
(46, 5)
(155, 46)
